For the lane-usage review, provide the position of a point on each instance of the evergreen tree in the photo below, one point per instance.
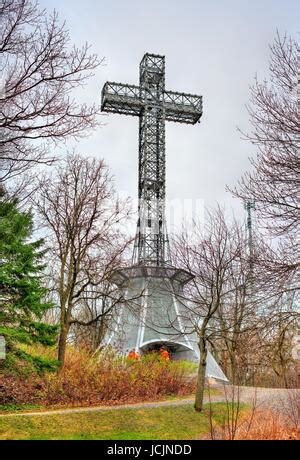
(21, 291)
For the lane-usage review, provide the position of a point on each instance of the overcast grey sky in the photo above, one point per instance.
(212, 48)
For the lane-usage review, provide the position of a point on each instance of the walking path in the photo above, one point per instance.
(271, 398)
(280, 400)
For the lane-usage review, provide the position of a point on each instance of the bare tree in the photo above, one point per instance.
(256, 321)
(39, 71)
(274, 181)
(236, 318)
(84, 220)
(277, 339)
(211, 255)
(96, 315)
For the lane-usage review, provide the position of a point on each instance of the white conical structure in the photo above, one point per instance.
(153, 316)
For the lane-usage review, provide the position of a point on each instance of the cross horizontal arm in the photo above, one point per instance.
(182, 107)
(121, 98)
(130, 100)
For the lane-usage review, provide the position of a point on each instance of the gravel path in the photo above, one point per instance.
(277, 399)
(75, 410)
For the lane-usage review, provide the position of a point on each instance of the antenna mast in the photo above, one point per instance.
(249, 206)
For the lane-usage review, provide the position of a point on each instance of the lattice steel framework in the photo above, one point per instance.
(249, 206)
(153, 105)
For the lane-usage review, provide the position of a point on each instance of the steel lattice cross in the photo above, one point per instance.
(153, 105)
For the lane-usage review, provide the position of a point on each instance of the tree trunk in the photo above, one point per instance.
(62, 344)
(233, 365)
(100, 333)
(284, 377)
(201, 375)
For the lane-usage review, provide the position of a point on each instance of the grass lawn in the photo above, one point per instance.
(167, 422)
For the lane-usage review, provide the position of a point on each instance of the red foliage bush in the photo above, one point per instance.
(113, 380)
(105, 379)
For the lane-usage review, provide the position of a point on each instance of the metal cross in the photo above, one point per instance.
(153, 105)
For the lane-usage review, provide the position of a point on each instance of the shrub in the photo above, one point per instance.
(111, 379)
(100, 379)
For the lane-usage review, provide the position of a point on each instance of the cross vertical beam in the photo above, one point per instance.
(152, 242)
(153, 105)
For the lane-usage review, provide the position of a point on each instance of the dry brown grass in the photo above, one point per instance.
(238, 422)
(266, 425)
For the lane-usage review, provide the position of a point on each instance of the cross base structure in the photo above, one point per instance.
(156, 318)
